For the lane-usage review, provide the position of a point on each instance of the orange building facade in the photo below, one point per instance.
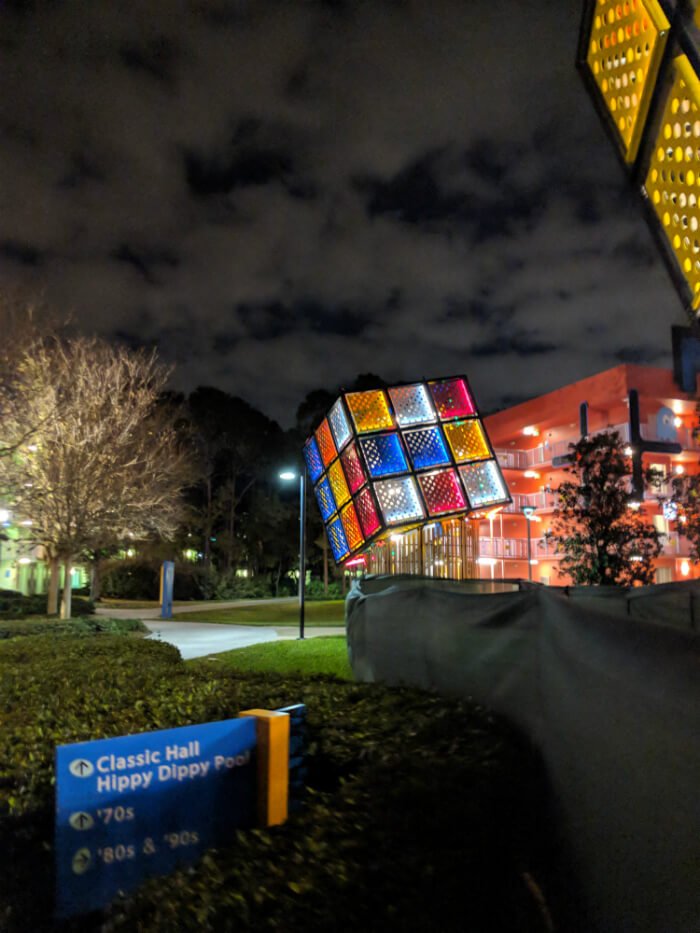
(655, 420)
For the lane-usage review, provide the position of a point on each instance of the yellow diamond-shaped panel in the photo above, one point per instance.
(467, 440)
(369, 410)
(338, 484)
(673, 180)
(624, 52)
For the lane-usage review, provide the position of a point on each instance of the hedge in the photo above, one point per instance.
(421, 814)
(79, 627)
(16, 606)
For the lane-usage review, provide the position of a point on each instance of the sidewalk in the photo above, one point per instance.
(199, 639)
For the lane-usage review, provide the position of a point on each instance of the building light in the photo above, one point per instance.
(531, 431)
(677, 422)
(637, 558)
(486, 561)
(634, 505)
(356, 562)
(628, 451)
(685, 568)
(534, 561)
(393, 538)
(679, 469)
(531, 474)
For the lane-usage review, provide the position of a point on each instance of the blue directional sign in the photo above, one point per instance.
(140, 804)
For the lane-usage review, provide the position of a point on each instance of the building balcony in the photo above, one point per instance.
(674, 545)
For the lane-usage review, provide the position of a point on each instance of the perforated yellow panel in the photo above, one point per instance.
(338, 484)
(673, 182)
(369, 410)
(467, 440)
(624, 52)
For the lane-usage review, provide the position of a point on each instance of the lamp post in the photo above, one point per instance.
(287, 476)
(528, 511)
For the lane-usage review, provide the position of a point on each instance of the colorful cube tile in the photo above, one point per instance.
(354, 471)
(383, 454)
(426, 447)
(442, 492)
(452, 398)
(337, 539)
(325, 441)
(369, 410)
(399, 500)
(324, 497)
(340, 426)
(484, 484)
(367, 512)
(412, 404)
(312, 456)
(336, 477)
(467, 440)
(351, 525)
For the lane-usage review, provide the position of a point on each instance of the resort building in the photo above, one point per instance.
(655, 419)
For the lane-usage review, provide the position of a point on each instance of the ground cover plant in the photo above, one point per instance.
(323, 655)
(421, 813)
(279, 612)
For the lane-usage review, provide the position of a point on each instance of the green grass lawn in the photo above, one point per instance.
(324, 655)
(321, 612)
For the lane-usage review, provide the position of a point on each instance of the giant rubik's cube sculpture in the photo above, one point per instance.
(640, 60)
(388, 460)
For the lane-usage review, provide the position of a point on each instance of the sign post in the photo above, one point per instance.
(167, 581)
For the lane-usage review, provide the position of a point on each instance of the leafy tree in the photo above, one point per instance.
(104, 464)
(603, 534)
(234, 443)
(686, 499)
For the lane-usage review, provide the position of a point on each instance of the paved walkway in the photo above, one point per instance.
(199, 639)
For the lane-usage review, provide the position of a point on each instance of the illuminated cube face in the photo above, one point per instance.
(400, 458)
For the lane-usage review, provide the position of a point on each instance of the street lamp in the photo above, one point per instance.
(529, 511)
(287, 476)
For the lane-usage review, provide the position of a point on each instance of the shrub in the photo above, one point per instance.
(315, 590)
(420, 808)
(85, 626)
(140, 579)
(15, 607)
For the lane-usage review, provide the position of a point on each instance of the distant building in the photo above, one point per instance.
(653, 417)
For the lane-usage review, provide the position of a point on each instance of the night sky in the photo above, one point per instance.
(281, 195)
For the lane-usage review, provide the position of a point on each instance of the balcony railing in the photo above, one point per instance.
(543, 501)
(674, 545)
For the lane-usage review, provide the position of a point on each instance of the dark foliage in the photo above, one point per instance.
(603, 534)
(422, 812)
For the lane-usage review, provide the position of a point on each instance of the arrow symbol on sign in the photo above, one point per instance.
(81, 820)
(81, 861)
(79, 767)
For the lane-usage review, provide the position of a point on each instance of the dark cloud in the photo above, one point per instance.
(263, 322)
(518, 344)
(23, 253)
(146, 261)
(280, 196)
(156, 58)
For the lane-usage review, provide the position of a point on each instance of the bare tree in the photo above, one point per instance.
(105, 463)
(24, 325)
